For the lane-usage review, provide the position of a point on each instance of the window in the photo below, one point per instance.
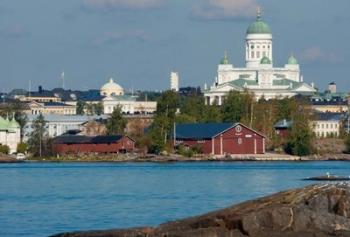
(252, 46)
(252, 54)
(264, 54)
(258, 54)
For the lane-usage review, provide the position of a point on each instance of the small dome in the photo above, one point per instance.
(292, 60)
(265, 60)
(258, 26)
(111, 89)
(225, 59)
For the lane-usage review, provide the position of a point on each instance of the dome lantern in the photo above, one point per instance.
(292, 60)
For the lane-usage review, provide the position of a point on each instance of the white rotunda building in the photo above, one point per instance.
(111, 89)
(259, 74)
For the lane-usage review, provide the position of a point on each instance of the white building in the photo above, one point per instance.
(10, 133)
(174, 81)
(327, 124)
(114, 97)
(57, 125)
(259, 74)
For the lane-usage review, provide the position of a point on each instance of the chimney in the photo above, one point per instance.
(332, 88)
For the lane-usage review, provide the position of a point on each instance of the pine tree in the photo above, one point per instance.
(38, 139)
(116, 124)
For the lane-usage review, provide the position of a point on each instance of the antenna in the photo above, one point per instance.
(29, 87)
(62, 78)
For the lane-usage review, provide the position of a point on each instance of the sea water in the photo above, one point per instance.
(40, 199)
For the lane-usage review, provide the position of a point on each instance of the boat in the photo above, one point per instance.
(328, 177)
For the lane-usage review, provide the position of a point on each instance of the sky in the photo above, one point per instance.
(138, 42)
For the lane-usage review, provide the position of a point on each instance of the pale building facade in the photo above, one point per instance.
(60, 108)
(10, 133)
(327, 125)
(259, 75)
(114, 97)
(174, 81)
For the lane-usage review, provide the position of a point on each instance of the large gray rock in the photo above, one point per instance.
(314, 211)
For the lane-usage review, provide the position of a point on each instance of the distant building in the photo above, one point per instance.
(59, 108)
(174, 81)
(10, 133)
(75, 144)
(114, 96)
(259, 75)
(322, 125)
(327, 124)
(42, 96)
(220, 138)
(282, 128)
(330, 101)
(111, 89)
(57, 125)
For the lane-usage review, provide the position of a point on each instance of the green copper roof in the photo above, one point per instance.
(259, 27)
(292, 60)
(265, 60)
(3, 124)
(13, 124)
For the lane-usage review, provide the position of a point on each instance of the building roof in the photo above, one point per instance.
(8, 125)
(67, 118)
(283, 124)
(56, 104)
(200, 130)
(329, 116)
(77, 139)
(258, 26)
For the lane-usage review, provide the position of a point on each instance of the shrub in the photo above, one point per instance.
(4, 149)
(22, 147)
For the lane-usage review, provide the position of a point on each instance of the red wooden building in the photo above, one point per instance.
(282, 128)
(220, 138)
(75, 144)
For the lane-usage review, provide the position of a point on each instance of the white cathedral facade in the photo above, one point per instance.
(259, 76)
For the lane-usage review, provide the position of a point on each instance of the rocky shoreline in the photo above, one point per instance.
(319, 210)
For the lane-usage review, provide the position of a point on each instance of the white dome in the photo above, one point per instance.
(111, 89)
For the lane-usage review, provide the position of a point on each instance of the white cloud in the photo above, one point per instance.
(128, 4)
(225, 9)
(315, 54)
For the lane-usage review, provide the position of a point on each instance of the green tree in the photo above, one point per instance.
(300, 138)
(164, 119)
(116, 124)
(347, 143)
(81, 105)
(237, 106)
(98, 108)
(211, 114)
(4, 149)
(38, 138)
(22, 147)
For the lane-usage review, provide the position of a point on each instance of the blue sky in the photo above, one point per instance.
(138, 42)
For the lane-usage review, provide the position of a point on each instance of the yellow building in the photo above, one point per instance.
(51, 108)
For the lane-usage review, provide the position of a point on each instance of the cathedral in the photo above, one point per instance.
(259, 76)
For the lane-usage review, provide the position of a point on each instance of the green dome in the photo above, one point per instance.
(292, 60)
(265, 60)
(259, 27)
